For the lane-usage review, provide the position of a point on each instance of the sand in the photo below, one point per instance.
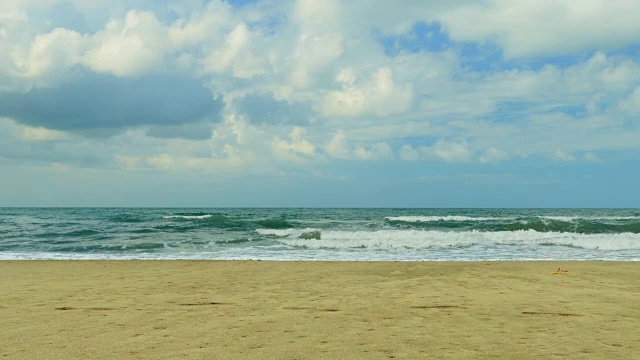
(311, 310)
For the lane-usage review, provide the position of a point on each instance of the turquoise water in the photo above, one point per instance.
(320, 234)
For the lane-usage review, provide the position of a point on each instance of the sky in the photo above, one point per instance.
(333, 103)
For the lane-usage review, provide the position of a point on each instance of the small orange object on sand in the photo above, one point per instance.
(559, 271)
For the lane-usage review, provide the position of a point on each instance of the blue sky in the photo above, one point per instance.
(320, 103)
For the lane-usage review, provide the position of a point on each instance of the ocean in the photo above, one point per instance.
(320, 234)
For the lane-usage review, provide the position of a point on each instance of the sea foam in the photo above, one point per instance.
(419, 239)
(188, 217)
(442, 218)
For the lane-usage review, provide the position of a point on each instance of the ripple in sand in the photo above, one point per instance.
(86, 309)
(310, 308)
(548, 313)
(438, 307)
(206, 303)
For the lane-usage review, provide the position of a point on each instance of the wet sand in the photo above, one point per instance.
(310, 310)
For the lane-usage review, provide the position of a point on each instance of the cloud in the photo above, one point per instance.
(58, 14)
(451, 151)
(378, 151)
(337, 146)
(297, 149)
(171, 71)
(409, 153)
(28, 146)
(198, 22)
(52, 55)
(107, 102)
(569, 26)
(195, 131)
(134, 46)
(162, 161)
(235, 56)
(266, 109)
(42, 134)
(631, 104)
(589, 156)
(378, 96)
(563, 156)
(493, 156)
(319, 40)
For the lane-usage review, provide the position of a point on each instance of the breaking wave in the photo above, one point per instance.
(188, 217)
(442, 218)
(570, 224)
(421, 239)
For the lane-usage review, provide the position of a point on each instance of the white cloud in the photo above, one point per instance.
(377, 151)
(235, 55)
(134, 46)
(202, 27)
(128, 162)
(53, 53)
(236, 138)
(337, 146)
(589, 156)
(409, 153)
(162, 161)
(361, 153)
(493, 155)
(398, 17)
(451, 151)
(223, 153)
(169, 162)
(319, 40)
(43, 134)
(546, 27)
(632, 103)
(297, 149)
(378, 96)
(563, 156)
(32, 134)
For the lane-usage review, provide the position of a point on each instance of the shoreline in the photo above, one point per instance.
(325, 260)
(202, 309)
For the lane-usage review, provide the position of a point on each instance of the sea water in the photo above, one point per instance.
(320, 234)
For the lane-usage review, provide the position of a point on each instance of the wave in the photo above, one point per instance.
(111, 248)
(201, 220)
(237, 241)
(273, 223)
(422, 239)
(574, 224)
(473, 218)
(286, 232)
(143, 231)
(126, 218)
(580, 227)
(188, 217)
(442, 218)
(72, 234)
(590, 218)
(188, 222)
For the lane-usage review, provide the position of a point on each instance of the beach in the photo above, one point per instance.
(308, 310)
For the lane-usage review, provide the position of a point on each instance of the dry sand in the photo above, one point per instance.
(310, 310)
